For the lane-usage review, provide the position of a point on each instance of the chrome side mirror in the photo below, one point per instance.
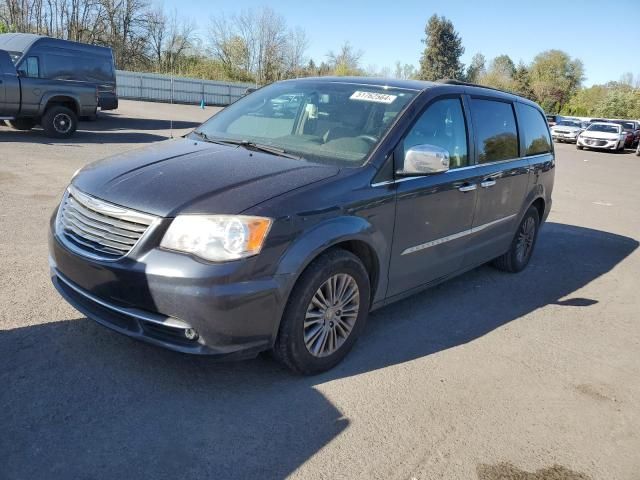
(424, 160)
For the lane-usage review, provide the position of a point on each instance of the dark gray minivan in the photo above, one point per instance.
(280, 229)
(54, 59)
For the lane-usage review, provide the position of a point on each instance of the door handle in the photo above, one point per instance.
(488, 183)
(468, 188)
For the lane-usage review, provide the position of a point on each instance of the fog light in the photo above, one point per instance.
(190, 333)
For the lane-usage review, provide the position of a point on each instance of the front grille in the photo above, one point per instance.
(562, 131)
(595, 142)
(99, 229)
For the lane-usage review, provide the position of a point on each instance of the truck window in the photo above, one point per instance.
(88, 69)
(32, 67)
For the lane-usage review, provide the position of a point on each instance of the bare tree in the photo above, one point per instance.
(346, 61)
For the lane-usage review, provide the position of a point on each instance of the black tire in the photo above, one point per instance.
(290, 348)
(59, 122)
(21, 123)
(579, 147)
(513, 261)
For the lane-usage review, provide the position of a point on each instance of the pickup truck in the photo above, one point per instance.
(27, 100)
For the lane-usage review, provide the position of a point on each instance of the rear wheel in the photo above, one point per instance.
(518, 256)
(325, 313)
(59, 122)
(21, 123)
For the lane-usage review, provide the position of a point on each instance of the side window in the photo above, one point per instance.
(442, 124)
(31, 67)
(534, 130)
(496, 131)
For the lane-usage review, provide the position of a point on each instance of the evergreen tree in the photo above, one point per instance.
(443, 49)
(476, 68)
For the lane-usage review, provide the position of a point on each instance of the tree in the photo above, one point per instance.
(554, 78)
(521, 84)
(405, 72)
(443, 49)
(500, 73)
(476, 68)
(346, 61)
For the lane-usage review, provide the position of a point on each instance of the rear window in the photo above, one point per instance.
(534, 130)
(80, 68)
(496, 131)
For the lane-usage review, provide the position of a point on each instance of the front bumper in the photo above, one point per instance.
(599, 143)
(563, 137)
(159, 296)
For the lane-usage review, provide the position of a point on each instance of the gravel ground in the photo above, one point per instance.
(490, 376)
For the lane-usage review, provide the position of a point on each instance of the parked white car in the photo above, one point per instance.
(602, 135)
(566, 130)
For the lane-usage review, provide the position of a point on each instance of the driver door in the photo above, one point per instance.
(434, 213)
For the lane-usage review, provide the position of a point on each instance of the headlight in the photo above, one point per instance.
(217, 237)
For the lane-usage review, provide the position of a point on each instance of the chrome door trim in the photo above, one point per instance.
(455, 236)
(468, 167)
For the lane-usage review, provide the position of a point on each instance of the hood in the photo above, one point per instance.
(563, 128)
(187, 176)
(601, 135)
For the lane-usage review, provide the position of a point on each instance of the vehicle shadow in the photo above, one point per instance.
(109, 128)
(80, 401)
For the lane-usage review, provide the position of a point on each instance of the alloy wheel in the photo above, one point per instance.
(526, 237)
(331, 315)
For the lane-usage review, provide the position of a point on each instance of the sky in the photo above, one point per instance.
(604, 35)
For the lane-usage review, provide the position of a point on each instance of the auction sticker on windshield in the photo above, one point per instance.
(373, 97)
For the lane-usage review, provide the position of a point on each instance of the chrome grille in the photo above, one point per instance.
(99, 229)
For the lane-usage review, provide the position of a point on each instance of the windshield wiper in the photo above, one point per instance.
(261, 147)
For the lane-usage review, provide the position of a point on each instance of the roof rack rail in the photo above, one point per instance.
(450, 81)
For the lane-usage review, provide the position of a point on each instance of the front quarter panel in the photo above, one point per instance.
(342, 209)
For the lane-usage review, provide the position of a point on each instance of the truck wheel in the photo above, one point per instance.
(519, 254)
(59, 122)
(325, 313)
(21, 123)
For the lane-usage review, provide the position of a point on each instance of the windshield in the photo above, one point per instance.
(604, 128)
(326, 122)
(569, 123)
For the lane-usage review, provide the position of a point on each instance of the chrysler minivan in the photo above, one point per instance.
(270, 228)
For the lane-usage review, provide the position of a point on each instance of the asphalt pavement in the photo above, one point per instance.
(489, 376)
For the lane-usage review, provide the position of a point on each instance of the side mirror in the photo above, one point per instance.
(22, 73)
(424, 160)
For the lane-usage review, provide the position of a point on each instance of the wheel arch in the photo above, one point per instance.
(351, 233)
(66, 100)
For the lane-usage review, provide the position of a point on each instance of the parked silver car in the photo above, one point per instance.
(566, 130)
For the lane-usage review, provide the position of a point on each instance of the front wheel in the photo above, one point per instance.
(517, 257)
(325, 313)
(579, 147)
(59, 122)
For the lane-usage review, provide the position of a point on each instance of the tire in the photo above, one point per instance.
(515, 260)
(638, 151)
(59, 122)
(323, 331)
(579, 147)
(21, 124)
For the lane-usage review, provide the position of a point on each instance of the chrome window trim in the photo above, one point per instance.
(455, 236)
(468, 167)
